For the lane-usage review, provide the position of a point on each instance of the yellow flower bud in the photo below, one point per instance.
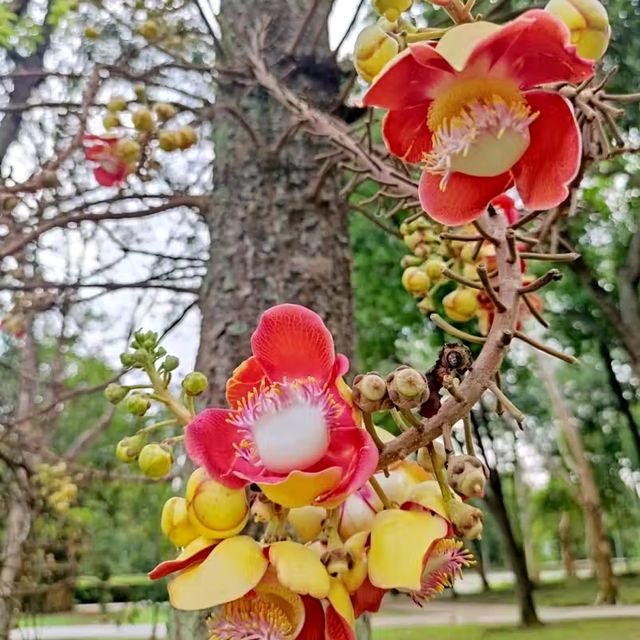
(164, 110)
(391, 9)
(91, 33)
(143, 120)
(140, 91)
(168, 140)
(155, 460)
(128, 150)
(195, 383)
(433, 268)
(110, 121)
(407, 387)
(128, 449)
(588, 22)
(416, 281)
(186, 137)
(175, 523)
(461, 304)
(373, 49)
(215, 510)
(117, 103)
(149, 30)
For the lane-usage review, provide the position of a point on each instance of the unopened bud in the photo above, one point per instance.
(175, 523)
(391, 9)
(370, 392)
(128, 150)
(215, 510)
(410, 261)
(467, 475)
(140, 91)
(416, 281)
(143, 120)
(91, 33)
(461, 304)
(138, 404)
(128, 449)
(110, 121)
(164, 110)
(186, 137)
(434, 267)
(115, 393)
(426, 305)
(195, 383)
(155, 460)
(467, 520)
(407, 388)
(168, 140)
(373, 49)
(127, 359)
(117, 103)
(149, 30)
(170, 363)
(9, 203)
(424, 459)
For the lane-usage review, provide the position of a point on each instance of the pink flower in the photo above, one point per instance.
(111, 169)
(468, 108)
(290, 427)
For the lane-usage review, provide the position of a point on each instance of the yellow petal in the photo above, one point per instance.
(194, 547)
(307, 521)
(299, 569)
(340, 601)
(232, 569)
(301, 488)
(399, 541)
(355, 576)
(456, 45)
(428, 494)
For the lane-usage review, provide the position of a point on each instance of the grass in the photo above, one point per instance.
(622, 629)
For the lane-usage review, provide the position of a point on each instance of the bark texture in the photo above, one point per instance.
(589, 495)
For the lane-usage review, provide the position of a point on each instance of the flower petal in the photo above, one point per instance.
(406, 133)
(399, 542)
(292, 342)
(457, 45)
(299, 569)
(410, 79)
(302, 487)
(210, 442)
(106, 178)
(340, 620)
(535, 49)
(246, 377)
(232, 569)
(367, 598)
(428, 495)
(313, 628)
(552, 160)
(464, 199)
(195, 552)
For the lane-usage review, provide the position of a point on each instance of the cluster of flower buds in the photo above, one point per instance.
(404, 388)
(55, 486)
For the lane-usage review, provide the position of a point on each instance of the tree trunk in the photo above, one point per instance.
(590, 498)
(476, 548)
(564, 531)
(523, 502)
(278, 225)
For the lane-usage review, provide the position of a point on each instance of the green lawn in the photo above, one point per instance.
(626, 629)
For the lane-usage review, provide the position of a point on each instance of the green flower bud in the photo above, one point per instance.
(110, 121)
(117, 103)
(127, 359)
(170, 363)
(137, 404)
(164, 110)
(128, 449)
(168, 140)
(155, 460)
(195, 383)
(140, 91)
(91, 33)
(143, 120)
(115, 393)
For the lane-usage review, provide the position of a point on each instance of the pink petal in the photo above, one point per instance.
(552, 160)
(246, 377)
(464, 199)
(313, 628)
(508, 207)
(406, 133)
(95, 152)
(411, 79)
(353, 450)
(367, 598)
(210, 441)
(292, 342)
(106, 178)
(535, 49)
(171, 566)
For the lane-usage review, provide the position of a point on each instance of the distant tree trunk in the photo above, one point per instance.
(476, 548)
(564, 530)
(277, 222)
(589, 496)
(524, 511)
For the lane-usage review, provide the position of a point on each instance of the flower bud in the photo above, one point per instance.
(168, 140)
(434, 267)
(175, 523)
(407, 387)
(391, 9)
(9, 203)
(143, 120)
(110, 121)
(155, 460)
(149, 30)
(115, 393)
(588, 23)
(373, 49)
(128, 150)
(127, 359)
(164, 110)
(370, 392)
(117, 103)
(140, 91)
(416, 281)
(410, 261)
(91, 33)
(307, 521)
(424, 459)
(195, 383)
(467, 475)
(215, 510)
(128, 449)
(138, 404)
(426, 305)
(170, 363)
(186, 137)
(467, 520)
(461, 304)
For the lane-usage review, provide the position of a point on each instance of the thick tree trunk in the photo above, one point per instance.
(590, 498)
(564, 531)
(523, 502)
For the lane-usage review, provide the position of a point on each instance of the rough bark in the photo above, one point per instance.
(564, 531)
(589, 495)
(523, 502)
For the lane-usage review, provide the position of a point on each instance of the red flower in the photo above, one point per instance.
(291, 426)
(466, 108)
(111, 169)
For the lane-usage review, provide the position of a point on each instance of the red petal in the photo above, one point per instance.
(106, 178)
(171, 566)
(95, 152)
(336, 627)
(535, 49)
(210, 442)
(352, 449)
(508, 207)
(313, 628)
(291, 342)
(464, 199)
(246, 377)
(410, 80)
(406, 133)
(552, 160)
(367, 598)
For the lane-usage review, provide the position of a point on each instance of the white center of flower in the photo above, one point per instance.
(293, 437)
